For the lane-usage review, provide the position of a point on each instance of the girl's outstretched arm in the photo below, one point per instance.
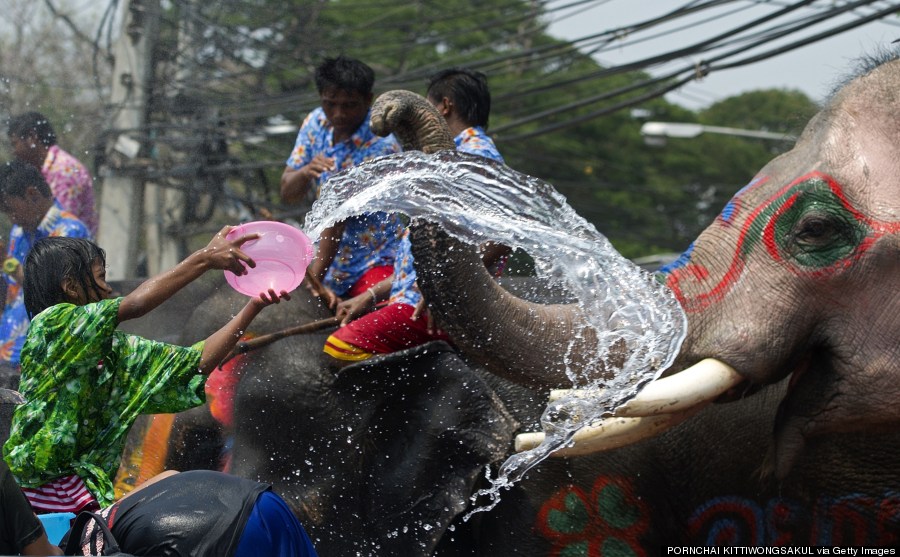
(219, 344)
(218, 254)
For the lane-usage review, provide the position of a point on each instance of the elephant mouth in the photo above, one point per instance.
(793, 420)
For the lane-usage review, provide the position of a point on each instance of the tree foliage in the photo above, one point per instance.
(226, 70)
(48, 65)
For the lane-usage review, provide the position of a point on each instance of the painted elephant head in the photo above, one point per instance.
(799, 276)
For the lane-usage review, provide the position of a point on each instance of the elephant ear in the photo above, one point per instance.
(432, 425)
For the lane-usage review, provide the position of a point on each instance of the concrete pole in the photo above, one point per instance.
(121, 203)
(164, 206)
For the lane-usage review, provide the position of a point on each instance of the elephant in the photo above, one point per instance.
(794, 287)
(377, 457)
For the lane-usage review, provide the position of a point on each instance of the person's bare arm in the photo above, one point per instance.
(41, 546)
(219, 344)
(218, 254)
(296, 182)
(329, 242)
(360, 305)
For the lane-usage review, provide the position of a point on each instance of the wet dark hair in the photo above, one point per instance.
(345, 74)
(50, 262)
(17, 176)
(467, 89)
(23, 124)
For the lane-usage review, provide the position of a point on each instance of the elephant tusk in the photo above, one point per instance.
(610, 433)
(657, 407)
(556, 394)
(695, 386)
(698, 384)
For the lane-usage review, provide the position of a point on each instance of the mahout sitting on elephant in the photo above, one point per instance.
(794, 286)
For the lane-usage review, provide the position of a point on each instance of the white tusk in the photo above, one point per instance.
(657, 407)
(697, 385)
(610, 433)
(700, 383)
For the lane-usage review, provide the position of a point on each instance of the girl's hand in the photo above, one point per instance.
(268, 298)
(355, 307)
(225, 254)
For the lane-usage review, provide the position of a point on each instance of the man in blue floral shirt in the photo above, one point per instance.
(464, 100)
(355, 254)
(26, 199)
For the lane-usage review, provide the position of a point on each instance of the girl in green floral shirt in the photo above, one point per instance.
(85, 383)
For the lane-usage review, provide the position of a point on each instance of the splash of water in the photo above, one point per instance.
(475, 200)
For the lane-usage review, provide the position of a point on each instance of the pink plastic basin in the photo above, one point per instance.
(281, 254)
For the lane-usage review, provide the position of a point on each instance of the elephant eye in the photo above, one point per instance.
(814, 229)
(817, 231)
(819, 239)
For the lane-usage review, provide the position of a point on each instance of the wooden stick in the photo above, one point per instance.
(264, 340)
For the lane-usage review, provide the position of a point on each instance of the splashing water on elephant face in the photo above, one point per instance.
(476, 200)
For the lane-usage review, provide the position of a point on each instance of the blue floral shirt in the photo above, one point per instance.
(14, 321)
(476, 142)
(369, 240)
(403, 289)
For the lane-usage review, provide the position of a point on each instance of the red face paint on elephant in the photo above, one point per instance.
(809, 227)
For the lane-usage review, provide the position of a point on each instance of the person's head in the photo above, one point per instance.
(345, 90)
(31, 135)
(25, 196)
(64, 270)
(461, 94)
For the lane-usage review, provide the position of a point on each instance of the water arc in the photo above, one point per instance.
(475, 200)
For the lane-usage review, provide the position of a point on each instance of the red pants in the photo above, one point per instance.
(369, 279)
(385, 330)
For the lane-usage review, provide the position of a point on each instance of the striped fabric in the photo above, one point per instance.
(68, 494)
(342, 351)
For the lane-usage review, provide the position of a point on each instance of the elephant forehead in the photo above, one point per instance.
(864, 140)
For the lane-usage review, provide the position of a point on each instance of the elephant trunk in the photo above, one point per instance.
(528, 343)
(415, 123)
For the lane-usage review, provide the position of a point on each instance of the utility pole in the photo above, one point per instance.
(164, 206)
(121, 205)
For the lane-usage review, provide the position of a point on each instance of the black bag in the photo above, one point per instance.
(73, 544)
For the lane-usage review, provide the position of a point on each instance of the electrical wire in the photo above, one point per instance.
(225, 86)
